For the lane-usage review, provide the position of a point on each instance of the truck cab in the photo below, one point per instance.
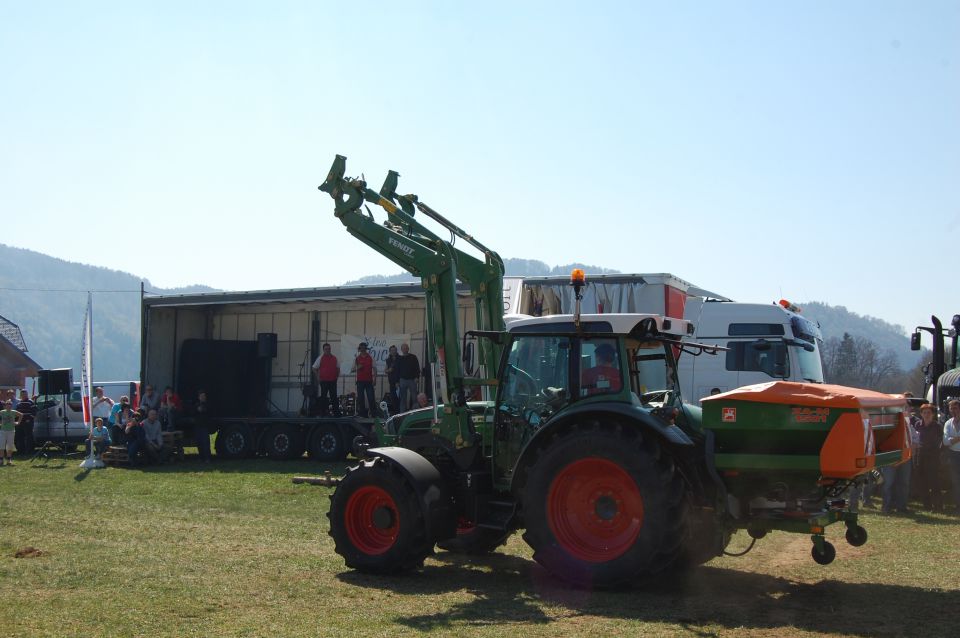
(766, 342)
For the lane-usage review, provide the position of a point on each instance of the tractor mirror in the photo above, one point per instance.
(915, 341)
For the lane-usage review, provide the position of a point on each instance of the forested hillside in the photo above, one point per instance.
(47, 298)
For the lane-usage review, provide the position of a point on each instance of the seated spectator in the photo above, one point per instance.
(150, 399)
(101, 405)
(99, 436)
(133, 434)
(119, 418)
(153, 437)
(170, 406)
(422, 400)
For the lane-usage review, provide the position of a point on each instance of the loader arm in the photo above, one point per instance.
(418, 250)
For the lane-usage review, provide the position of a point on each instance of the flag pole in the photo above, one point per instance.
(86, 380)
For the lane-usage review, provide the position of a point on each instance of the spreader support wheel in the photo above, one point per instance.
(824, 552)
(856, 535)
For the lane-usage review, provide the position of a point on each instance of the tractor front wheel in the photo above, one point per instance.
(376, 521)
(604, 507)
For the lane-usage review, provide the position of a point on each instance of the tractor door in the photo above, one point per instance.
(535, 384)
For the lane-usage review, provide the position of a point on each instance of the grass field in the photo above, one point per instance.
(235, 549)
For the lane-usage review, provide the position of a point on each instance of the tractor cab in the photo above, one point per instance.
(553, 366)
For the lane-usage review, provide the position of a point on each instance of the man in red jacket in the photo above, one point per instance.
(366, 374)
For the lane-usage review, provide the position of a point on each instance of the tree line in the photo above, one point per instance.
(859, 362)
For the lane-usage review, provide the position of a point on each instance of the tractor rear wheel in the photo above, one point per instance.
(376, 521)
(603, 506)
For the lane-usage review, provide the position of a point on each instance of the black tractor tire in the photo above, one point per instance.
(604, 506)
(283, 441)
(234, 441)
(376, 521)
(475, 541)
(327, 444)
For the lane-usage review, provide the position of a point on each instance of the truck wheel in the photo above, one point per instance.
(603, 507)
(376, 521)
(284, 441)
(473, 540)
(234, 441)
(327, 445)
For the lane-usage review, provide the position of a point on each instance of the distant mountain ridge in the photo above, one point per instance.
(46, 297)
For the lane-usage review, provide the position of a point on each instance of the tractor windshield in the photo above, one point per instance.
(536, 377)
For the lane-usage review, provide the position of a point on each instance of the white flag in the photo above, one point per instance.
(86, 389)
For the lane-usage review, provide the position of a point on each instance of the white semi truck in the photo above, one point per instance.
(765, 342)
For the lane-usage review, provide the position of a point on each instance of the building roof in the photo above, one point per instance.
(11, 332)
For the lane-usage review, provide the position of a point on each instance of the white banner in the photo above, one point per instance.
(86, 376)
(377, 345)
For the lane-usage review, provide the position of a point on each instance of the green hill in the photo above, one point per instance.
(47, 298)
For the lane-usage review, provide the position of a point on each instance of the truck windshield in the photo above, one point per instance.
(809, 363)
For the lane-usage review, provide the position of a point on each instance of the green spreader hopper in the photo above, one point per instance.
(787, 454)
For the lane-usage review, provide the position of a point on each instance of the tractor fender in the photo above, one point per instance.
(624, 413)
(432, 491)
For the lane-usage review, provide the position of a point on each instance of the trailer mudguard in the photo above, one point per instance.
(432, 491)
(625, 413)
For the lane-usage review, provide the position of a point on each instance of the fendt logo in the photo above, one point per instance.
(406, 249)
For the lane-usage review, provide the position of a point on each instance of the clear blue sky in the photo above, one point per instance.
(809, 150)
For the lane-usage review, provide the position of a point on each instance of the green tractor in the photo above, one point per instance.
(584, 441)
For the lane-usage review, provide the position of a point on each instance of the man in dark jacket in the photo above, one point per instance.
(408, 367)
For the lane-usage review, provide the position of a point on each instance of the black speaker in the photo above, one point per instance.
(57, 381)
(267, 345)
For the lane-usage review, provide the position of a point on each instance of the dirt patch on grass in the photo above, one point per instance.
(28, 552)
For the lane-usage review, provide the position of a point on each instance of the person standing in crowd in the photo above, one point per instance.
(327, 369)
(393, 377)
(951, 441)
(169, 407)
(99, 437)
(896, 478)
(23, 436)
(100, 405)
(409, 369)
(9, 418)
(366, 374)
(928, 457)
(201, 426)
(150, 400)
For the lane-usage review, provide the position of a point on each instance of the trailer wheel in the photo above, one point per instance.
(473, 540)
(284, 441)
(326, 444)
(234, 441)
(376, 521)
(603, 506)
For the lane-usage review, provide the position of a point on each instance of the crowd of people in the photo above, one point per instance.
(140, 430)
(934, 444)
(403, 373)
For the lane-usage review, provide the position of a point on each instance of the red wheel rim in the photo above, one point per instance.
(372, 520)
(465, 526)
(595, 510)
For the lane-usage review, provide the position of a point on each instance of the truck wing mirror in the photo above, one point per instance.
(915, 341)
